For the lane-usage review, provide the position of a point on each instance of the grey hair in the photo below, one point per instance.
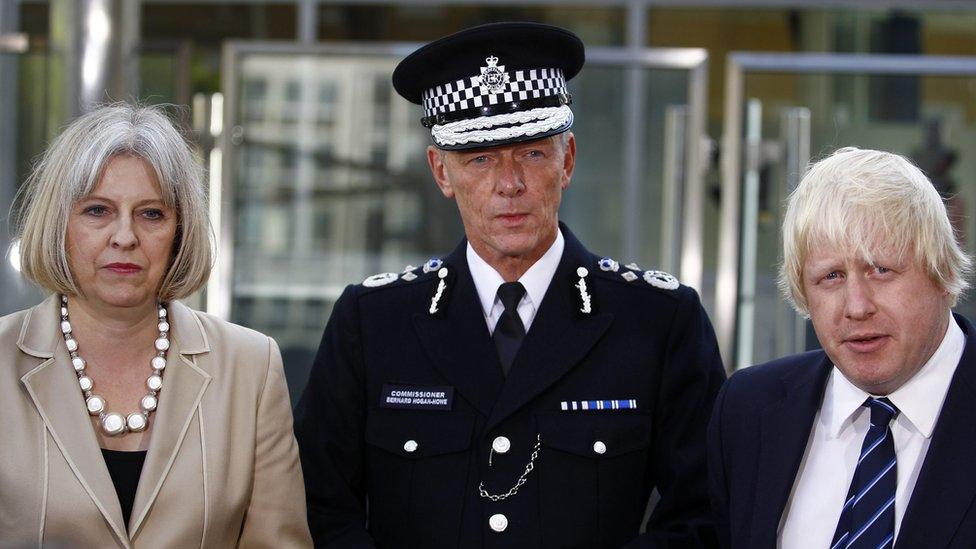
(859, 200)
(70, 169)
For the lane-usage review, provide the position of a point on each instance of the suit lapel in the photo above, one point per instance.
(784, 432)
(558, 338)
(53, 386)
(184, 383)
(458, 341)
(946, 485)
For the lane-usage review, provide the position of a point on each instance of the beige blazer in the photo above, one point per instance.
(222, 468)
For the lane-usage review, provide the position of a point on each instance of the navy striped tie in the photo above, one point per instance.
(868, 518)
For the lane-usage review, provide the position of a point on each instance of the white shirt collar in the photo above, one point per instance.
(536, 280)
(919, 400)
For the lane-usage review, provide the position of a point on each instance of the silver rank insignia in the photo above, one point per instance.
(493, 77)
(661, 279)
(607, 264)
(441, 286)
(585, 299)
(432, 265)
(381, 279)
(628, 276)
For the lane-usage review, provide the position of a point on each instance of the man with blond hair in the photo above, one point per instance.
(870, 441)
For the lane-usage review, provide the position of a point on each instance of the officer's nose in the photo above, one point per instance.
(510, 183)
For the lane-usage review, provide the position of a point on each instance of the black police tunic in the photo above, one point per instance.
(410, 435)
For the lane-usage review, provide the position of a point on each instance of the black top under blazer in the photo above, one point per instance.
(640, 342)
(758, 435)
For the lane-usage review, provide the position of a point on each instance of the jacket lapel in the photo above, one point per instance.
(784, 431)
(53, 386)
(946, 485)
(184, 383)
(458, 341)
(559, 336)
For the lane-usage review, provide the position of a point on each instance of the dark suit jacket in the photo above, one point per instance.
(639, 342)
(758, 435)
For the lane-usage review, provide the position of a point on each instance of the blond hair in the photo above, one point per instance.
(859, 200)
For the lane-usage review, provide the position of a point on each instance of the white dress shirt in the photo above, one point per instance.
(821, 484)
(536, 281)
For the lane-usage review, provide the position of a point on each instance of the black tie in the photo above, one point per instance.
(509, 332)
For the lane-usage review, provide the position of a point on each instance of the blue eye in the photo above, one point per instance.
(153, 214)
(832, 275)
(97, 210)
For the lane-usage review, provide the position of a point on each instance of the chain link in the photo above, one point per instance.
(521, 480)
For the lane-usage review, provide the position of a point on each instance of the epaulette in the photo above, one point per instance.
(585, 302)
(409, 274)
(631, 272)
(435, 268)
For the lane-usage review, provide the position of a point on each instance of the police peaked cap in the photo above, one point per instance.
(493, 84)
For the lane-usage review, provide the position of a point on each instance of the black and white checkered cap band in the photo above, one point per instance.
(468, 93)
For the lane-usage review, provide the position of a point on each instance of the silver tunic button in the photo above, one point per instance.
(498, 522)
(599, 447)
(410, 446)
(501, 445)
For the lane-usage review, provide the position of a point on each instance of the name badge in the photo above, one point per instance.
(416, 397)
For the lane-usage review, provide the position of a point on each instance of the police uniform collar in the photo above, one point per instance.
(536, 279)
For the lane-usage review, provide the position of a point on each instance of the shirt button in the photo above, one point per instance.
(410, 446)
(498, 522)
(501, 445)
(599, 447)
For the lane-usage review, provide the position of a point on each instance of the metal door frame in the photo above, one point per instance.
(728, 281)
(693, 60)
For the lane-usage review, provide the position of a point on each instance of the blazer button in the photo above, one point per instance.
(599, 447)
(498, 522)
(501, 445)
(410, 446)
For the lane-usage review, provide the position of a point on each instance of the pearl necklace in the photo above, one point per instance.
(113, 423)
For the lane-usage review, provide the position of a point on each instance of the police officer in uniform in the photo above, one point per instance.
(521, 391)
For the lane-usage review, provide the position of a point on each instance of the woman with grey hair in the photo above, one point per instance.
(128, 419)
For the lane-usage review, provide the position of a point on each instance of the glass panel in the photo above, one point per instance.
(31, 116)
(158, 76)
(23, 136)
(331, 185)
(931, 120)
(594, 204)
